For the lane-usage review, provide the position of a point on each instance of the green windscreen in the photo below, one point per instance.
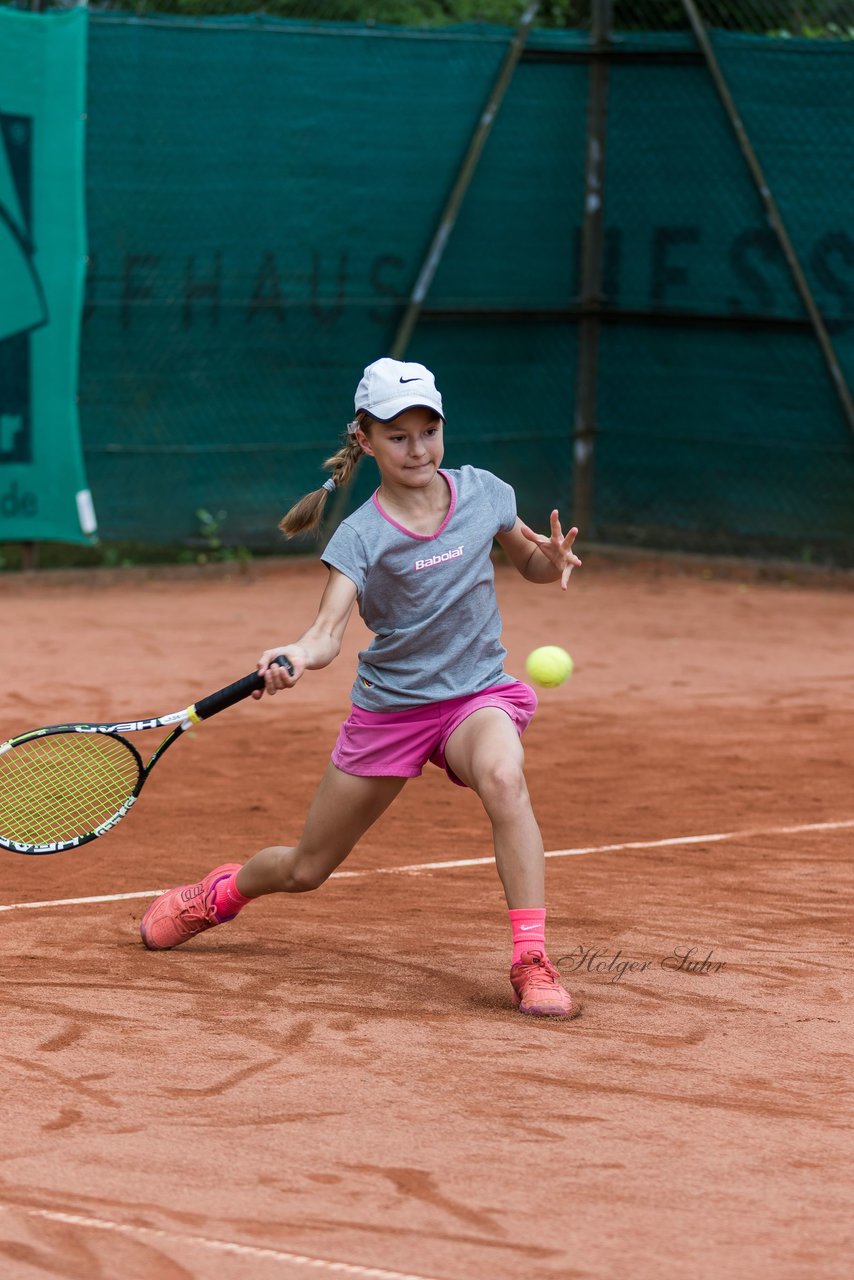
(261, 196)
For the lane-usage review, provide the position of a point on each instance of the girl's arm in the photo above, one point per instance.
(538, 558)
(318, 646)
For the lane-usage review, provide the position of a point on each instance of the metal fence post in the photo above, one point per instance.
(461, 184)
(447, 219)
(30, 550)
(591, 271)
(772, 212)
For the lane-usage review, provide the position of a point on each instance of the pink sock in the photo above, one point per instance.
(228, 899)
(529, 930)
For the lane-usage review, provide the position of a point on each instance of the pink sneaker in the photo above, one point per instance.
(537, 988)
(181, 913)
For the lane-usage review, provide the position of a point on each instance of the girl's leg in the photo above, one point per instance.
(341, 812)
(343, 809)
(485, 753)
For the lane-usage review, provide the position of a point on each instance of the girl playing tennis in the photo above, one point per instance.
(430, 687)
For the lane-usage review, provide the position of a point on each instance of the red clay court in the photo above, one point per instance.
(337, 1084)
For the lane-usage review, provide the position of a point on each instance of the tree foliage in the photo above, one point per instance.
(811, 18)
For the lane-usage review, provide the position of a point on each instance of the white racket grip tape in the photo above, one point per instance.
(175, 717)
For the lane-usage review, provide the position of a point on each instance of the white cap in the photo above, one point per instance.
(390, 386)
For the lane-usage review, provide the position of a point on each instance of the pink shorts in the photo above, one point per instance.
(397, 744)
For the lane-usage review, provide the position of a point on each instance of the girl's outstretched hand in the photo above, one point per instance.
(557, 548)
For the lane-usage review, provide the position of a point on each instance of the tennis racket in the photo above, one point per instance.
(67, 784)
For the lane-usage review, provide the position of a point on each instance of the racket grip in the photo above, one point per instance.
(232, 693)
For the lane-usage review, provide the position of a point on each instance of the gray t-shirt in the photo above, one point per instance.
(429, 599)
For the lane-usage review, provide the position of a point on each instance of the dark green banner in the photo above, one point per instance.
(43, 489)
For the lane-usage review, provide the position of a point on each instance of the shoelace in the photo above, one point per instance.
(200, 908)
(544, 975)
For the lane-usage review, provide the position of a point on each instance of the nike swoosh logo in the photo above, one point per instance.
(528, 927)
(410, 379)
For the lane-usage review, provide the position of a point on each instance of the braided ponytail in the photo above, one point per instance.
(307, 513)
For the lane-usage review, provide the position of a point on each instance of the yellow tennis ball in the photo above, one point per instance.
(549, 666)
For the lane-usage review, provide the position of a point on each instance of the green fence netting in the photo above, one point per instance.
(260, 198)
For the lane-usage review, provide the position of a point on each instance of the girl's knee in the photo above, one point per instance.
(502, 787)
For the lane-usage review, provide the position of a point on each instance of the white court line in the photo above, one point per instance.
(208, 1242)
(76, 902)
(671, 841)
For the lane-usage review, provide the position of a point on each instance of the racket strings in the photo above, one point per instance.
(63, 785)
